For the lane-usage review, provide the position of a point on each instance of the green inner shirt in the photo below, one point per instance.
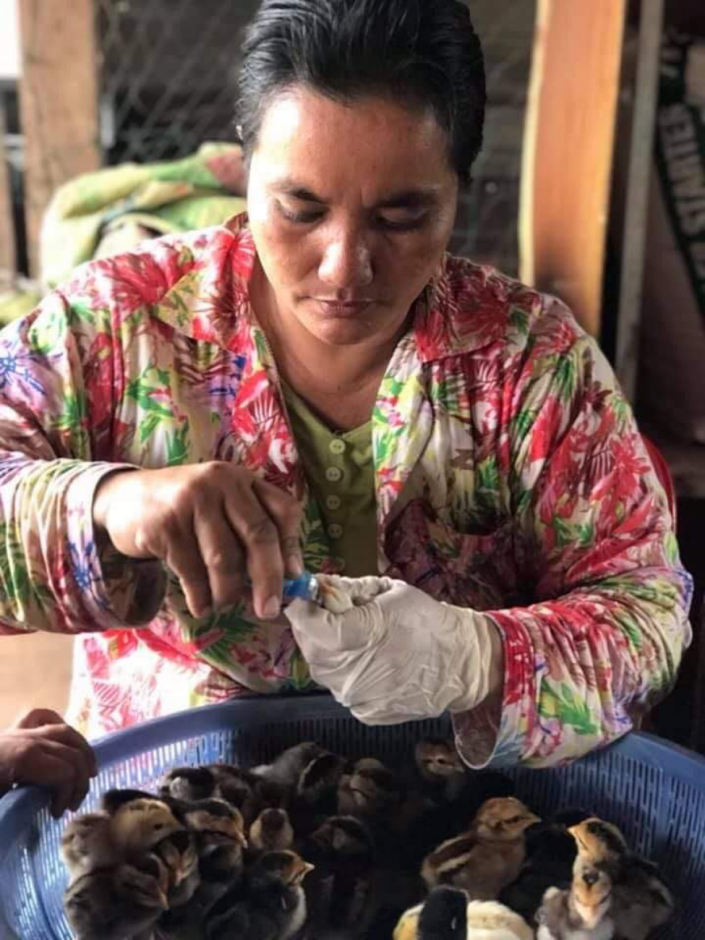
(340, 473)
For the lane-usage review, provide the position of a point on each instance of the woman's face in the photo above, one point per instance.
(351, 208)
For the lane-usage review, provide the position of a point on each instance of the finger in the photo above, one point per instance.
(260, 539)
(184, 558)
(66, 735)
(285, 512)
(39, 716)
(68, 745)
(223, 556)
(50, 765)
(358, 590)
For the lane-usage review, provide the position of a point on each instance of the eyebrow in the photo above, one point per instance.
(421, 198)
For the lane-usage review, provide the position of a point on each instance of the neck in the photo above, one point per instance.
(340, 382)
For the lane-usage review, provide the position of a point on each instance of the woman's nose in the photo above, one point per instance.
(346, 262)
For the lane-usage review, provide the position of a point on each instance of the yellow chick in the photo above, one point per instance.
(489, 856)
(141, 824)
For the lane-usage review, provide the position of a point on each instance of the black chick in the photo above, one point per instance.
(340, 892)
(271, 831)
(270, 905)
(444, 916)
(550, 856)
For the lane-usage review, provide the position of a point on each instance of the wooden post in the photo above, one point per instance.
(8, 260)
(58, 102)
(568, 147)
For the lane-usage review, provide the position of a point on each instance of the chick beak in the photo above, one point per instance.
(531, 820)
(303, 869)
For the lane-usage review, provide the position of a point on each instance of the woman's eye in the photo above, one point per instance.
(402, 222)
(302, 217)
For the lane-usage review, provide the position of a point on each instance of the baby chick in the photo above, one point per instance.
(271, 905)
(115, 903)
(440, 770)
(583, 911)
(443, 916)
(220, 781)
(448, 915)
(179, 853)
(488, 857)
(340, 892)
(288, 766)
(140, 824)
(371, 790)
(87, 844)
(642, 901)
(271, 831)
(318, 782)
(550, 856)
(215, 815)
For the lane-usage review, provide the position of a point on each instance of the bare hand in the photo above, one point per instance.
(43, 750)
(212, 524)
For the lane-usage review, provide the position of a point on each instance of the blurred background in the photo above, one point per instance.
(591, 186)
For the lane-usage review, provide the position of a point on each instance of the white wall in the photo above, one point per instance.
(9, 40)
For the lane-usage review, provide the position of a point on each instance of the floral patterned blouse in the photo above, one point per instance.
(509, 474)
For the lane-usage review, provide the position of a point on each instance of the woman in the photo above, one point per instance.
(321, 385)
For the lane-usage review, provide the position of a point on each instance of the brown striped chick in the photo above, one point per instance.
(179, 853)
(642, 901)
(488, 857)
(271, 831)
(87, 844)
(114, 903)
(583, 911)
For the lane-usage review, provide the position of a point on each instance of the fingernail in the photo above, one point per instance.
(271, 608)
(295, 565)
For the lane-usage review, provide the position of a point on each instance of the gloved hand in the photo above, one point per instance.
(398, 655)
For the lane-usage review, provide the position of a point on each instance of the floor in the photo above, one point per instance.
(35, 670)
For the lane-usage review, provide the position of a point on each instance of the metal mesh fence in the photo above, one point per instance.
(168, 83)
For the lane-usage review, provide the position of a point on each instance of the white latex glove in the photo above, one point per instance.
(398, 655)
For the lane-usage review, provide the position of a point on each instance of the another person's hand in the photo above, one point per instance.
(212, 524)
(42, 749)
(399, 655)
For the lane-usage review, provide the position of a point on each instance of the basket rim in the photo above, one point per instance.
(19, 805)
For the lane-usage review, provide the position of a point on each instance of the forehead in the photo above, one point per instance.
(368, 144)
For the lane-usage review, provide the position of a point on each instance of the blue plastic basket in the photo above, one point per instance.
(654, 791)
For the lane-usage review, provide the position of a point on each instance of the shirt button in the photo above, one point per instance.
(334, 474)
(333, 502)
(335, 531)
(337, 446)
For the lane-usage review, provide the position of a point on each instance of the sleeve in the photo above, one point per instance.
(602, 641)
(59, 380)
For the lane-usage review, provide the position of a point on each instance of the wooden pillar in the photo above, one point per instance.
(8, 260)
(568, 147)
(58, 102)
